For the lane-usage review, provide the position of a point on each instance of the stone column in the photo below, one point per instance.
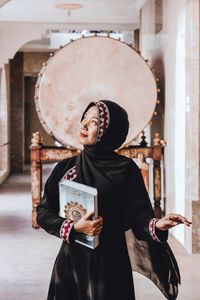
(175, 52)
(4, 124)
(192, 162)
(17, 113)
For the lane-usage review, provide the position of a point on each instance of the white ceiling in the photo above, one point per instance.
(93, 11)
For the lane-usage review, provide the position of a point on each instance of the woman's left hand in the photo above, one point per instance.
(171, 220)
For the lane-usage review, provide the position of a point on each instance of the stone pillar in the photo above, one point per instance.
(192, 161)
(17, 113)
(4, 124)
(174, 52)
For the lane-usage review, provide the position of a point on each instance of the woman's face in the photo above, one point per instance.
(89, 126)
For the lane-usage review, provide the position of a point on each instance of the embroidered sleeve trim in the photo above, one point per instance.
(66, 227)
(65, 230)
(152, 230)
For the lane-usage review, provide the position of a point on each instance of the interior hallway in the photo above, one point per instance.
(27, 255)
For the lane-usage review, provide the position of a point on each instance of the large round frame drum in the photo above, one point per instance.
(91, 69)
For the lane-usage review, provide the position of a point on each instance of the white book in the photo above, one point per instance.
(77, 199)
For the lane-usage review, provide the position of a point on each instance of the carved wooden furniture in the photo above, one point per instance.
(41, 154)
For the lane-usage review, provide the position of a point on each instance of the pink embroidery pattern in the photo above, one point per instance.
(65, 230)
(71, 174)
(152, 225)
(104, 119)
(66, 227)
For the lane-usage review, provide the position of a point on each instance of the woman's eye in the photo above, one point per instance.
(94, 122)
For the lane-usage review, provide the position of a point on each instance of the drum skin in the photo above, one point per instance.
(91, 69)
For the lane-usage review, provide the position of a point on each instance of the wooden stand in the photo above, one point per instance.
(41, 153)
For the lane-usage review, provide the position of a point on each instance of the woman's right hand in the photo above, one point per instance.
(87, 226)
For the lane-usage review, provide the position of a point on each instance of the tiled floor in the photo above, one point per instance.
(27, 255)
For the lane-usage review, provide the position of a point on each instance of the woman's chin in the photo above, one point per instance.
(85, 141)
(82, 141)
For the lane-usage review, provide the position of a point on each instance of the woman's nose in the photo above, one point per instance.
(84, 123)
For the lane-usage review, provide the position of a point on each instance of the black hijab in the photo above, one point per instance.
(98, 165)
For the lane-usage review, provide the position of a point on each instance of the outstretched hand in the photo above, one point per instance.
(171, 220)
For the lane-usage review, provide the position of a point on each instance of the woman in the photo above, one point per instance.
(105, 273)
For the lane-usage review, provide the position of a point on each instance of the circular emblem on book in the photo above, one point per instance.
(74, 211)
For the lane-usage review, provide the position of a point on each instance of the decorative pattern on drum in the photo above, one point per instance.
(74, 211)
(92, 69)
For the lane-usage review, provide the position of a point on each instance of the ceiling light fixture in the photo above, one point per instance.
(69, 7)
